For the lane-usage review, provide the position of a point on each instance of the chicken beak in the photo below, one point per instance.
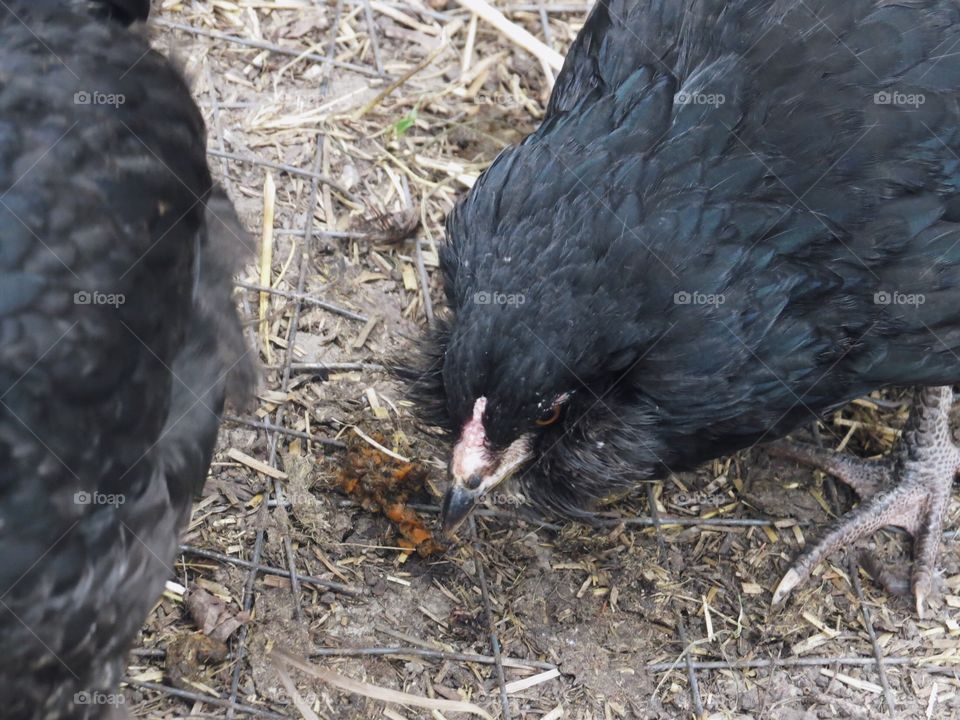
(475, 471)
(458, 503)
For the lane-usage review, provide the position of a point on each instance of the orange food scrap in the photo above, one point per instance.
(401, 473)
(381, 483)
(419, 535)
(396, 513)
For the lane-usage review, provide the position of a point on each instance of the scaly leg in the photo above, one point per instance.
(911, 490)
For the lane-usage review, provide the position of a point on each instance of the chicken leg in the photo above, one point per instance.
(910, 489)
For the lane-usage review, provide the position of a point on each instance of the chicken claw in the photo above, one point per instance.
(910, 489)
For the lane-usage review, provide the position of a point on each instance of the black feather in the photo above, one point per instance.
(423, 374)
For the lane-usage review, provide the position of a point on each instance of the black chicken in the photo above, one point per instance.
(118, 343)
(736, 215)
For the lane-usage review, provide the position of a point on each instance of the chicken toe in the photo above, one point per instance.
(911, 490)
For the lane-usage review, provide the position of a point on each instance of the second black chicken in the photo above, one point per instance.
(119, 342)
(736, 215)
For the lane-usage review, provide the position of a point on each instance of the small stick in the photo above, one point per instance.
(370, 441)
(298, 700)
(468, 46)
(691, 672)
(266, 259)
(294, 578)
(336, 367)
(430, 654)
(283, 167)
(210, 700)
(421, 268)
(262, 45)
(300, 297)
(376, 692)
(868, 623)
(332, 48)
(516, 34)
(254, 464)
(789, 662)
(424, 283)
(491, 626)
(655, 518)
(532, 681)
(448, 32)
(267, 570)
(248, 595)
(664, 521)
(372, 30)
(270, 427)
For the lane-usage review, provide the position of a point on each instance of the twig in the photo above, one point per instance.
(385, 450)
(375, 691)
(655, 518)
(868, 623)
(691, 672)
(448, 32)
(516, 34)
(266, 259)
(274, 438)
(424, 284)
(299, 702)
(289, 169)
(268, 570)
(372, 30)
(210, 700)
(792, 662)
(467, 58)
(528, 682)
(270, 427)
(304, 298)
(336, 367)
(491, 626)
(332, 47)
(432, 655)
(291, 344)
(254, 565)
(262, 45)
(664, 521)
(545, 22)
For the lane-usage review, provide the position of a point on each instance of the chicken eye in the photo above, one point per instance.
(550, 416)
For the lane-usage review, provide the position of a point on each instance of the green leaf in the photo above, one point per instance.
(405, 123)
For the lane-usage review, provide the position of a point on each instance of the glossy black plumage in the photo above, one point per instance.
(783, 214)
(118, 343)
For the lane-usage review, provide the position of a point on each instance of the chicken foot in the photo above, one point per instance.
(909, 489)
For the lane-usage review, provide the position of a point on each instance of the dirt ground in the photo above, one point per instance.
(364, 121)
